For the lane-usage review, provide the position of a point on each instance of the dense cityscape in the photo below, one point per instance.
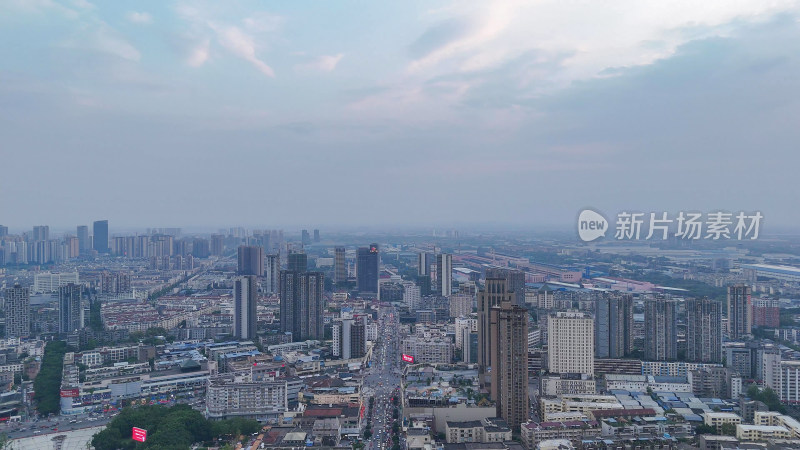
(447, 339)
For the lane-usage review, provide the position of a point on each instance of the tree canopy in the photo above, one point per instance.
(169, 428)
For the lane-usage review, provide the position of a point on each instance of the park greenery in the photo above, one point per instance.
(47, 384)
(170, 428)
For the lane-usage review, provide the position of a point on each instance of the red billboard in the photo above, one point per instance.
(72, 392)
(407, 358)
(139, 434)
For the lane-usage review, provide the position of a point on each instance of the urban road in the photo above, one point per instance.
(383, 379)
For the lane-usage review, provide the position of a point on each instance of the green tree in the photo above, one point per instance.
(47, 385)
(705, 429)
(728, 429)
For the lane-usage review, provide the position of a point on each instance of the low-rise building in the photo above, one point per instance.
(761, 432)
(718, 419)
(229, 396)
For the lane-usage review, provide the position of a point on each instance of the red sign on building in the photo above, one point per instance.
(407, 358)
(73, 392)
(139, 434)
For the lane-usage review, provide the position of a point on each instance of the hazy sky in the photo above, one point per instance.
(444, 113)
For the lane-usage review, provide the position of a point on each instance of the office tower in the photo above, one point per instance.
(70, 310)
(703, 330)
(83, 239)
(302, 304)
(349, 339)
(217, 244)
(272, 273)
(3, 230)
(740, 311)
(613, 325)
(444, 274)
(424, 261)
(245, 295)
(316, 236)
(73, 246)
(661, 337)
(470, 352)
(367, 269)
(570, 343)
(493, 294)
(17, 309)
(424, 283)
(101, 236)
(298, 262)
(305, 238)
(339, 265)
(516, 281)
(508, 327)
(251, 260)
(41, 233)
(201, 248)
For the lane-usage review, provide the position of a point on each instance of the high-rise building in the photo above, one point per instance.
(84, 245)
(613, 325)
(349, 338)
(305, 237)
(509, 337)
(100, 241)
(660, 323)
(766, 313)
(297, 262)
(41, 233)
(217, 244)
(302, 304)
(424, 261)
(272, 273)
(18, 310)
(367, 269)
(339, 265)
(251, 260)
(570, 343)
(740, 311)
(516, 281)
(703, 330)
(201, 248)
(494, 293)
(245, 295)
(3, 230)
(444, 274)
(70, 310)
(316, 235)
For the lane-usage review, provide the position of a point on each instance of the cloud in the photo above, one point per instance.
(240, 41)
(139, 18)
(199, 54)
(441, 35)
(241, 45)
(324, 63)
(97, 36)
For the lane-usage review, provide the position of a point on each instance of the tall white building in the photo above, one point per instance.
(465, 325)
(411, 294)
(50, 282)
(245, 293)
(570, 338)
(461, 305)
(444, 274)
